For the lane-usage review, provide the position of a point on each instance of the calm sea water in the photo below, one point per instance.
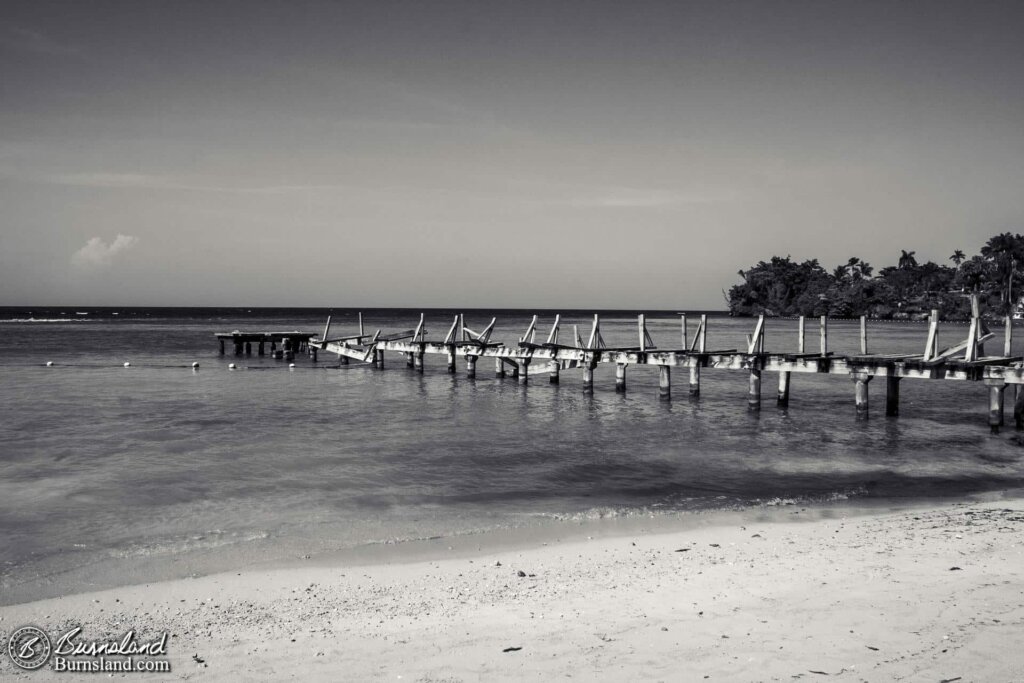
(111, 474)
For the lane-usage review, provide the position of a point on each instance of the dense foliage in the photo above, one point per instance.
(908, 289)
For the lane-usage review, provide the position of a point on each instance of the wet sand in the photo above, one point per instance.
(930, 594)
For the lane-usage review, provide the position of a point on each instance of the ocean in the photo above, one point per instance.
(113, 474)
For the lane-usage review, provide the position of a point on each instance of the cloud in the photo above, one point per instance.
(98, 254)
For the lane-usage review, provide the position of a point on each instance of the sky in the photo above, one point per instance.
(626, 155)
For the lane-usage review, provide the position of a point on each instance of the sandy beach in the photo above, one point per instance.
(923, 594)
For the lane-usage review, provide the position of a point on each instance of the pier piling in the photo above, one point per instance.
(451, 360)
(221, 347)
(417, 361)
(1018, 407)
(695, 379)
(892, 396)
(471, 366)
(588, 377)
(524, 371)
(499, 367)
(664, 382)
(860, 392)
(620, 378)
(996, 387)
(783, 401)
(554, 367)
(754, 394)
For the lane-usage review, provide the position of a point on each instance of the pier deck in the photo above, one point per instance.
(526, 358)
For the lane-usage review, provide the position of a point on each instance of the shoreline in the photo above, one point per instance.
(530, 531)
(862, 592)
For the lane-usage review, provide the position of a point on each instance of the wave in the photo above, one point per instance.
(48, 320)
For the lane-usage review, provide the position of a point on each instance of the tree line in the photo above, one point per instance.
(907, 290)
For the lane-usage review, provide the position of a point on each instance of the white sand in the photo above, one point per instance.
(865, 597)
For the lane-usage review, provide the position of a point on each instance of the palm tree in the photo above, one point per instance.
(1006, 252)
(957, 258)
(907, 259)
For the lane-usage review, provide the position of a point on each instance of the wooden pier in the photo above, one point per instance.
(528, 357)
(291, 343)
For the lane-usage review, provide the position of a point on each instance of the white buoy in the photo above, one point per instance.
(231, 366)
(127, 364)
(195, 365)
(291, 365)
(49, 363)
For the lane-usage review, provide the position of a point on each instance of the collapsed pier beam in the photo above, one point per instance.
(620, 378)
(892, 396)
(664, 382)
(783, 400)
(860, 392)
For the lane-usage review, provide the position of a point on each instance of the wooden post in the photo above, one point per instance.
(1018, 407)
(524, 371)
(695, 379)
(451, 360)
(471, 366)
(664, 382)
(823, 328)
(800, 336)
(642, 329)
(702, 344)
(783, 389)
(499, 367)
(378, 355)
(892, 395)
(361, 332)
(996, 387)
(221, 346)
(864, 334)
(683, 320)
(754, 394)
(1007, 335)
(588, 375)
(860, 393)
(554, 367)
(620, 378)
